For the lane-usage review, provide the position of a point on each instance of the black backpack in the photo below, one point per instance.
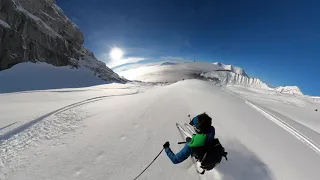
(212, 155)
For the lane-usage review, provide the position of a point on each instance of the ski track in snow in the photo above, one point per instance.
(300, 136)
(58, 123)
(8, 126)
(314, 146)
(32, 122)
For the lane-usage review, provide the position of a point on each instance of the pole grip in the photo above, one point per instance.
(182, 142)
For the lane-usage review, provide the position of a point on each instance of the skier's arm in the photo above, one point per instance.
(179, 157)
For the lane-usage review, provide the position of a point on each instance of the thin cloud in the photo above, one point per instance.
(172, 58)
(114, 63)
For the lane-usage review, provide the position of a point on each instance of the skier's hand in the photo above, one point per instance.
(193, 121)
(188, 139)
(166, 145)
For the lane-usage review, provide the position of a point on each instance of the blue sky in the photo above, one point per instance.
(277, 41)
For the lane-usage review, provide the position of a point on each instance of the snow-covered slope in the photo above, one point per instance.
(300, 109)
(114, 131)
(40, 76)
(289, 90)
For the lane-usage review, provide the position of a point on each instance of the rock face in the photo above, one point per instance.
(38, 30)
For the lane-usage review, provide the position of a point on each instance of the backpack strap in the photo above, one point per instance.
(204, 157)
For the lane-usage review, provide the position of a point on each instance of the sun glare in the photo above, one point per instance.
(116, 54)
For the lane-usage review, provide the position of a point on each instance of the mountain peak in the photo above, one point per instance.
(289, 90)
(231, 68)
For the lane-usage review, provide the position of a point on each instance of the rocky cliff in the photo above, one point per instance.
(38, 30)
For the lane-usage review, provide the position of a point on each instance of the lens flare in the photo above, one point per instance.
(116, 54)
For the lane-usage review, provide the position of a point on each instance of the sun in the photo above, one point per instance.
(116, 53)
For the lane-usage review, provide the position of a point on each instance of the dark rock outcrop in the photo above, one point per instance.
(38, 30)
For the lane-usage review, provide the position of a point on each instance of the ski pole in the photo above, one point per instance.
(182, 142)
(149, 164)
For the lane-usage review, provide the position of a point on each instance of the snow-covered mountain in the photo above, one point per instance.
(230, 78)
(231, 68)
(39, 31)
(289, 90)
(216, 72)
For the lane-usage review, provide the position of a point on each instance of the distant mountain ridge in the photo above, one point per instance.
(242, 78)
(217, 72)
(289, 89)
(234, 69)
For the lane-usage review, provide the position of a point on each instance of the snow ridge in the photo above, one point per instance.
(231, 78)
(216, 72)
(231, 68)
(289, 90)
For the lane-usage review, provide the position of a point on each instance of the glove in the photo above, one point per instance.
(188, 139)
(193, 120)
(166, 145)
(191, 123)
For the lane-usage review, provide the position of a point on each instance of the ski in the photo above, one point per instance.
(184, 133)
(190, 128)
(199, 169)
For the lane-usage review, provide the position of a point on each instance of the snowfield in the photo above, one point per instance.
(113, 131)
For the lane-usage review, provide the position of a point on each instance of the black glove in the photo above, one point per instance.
(191, 122)
(188, 139)
(166, 145)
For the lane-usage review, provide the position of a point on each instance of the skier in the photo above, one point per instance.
(195, 146)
